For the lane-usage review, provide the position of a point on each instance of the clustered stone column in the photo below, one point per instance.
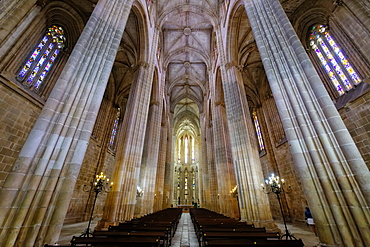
(168, 188)
(121, 201)
(10, 13)
(254, 204)
(203, 167)
(148, 169)
(333, 174)
(36, 193)
(162, 197)
(222, 153)
(213, 202)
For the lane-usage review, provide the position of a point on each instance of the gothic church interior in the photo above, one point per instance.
(184, 103)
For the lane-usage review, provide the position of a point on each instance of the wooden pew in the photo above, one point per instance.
(151, 230)
(163, 236)
(116, 242)
(253, 243)
(47, 245)
(145, 227)
(213, 229)
(199, 226)
(235, 235)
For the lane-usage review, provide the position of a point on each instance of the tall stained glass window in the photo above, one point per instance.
(193, 150)
(258, 131)
(179, 151)
(336, 65)
(36, 68)
(186, 149)
(114, 129)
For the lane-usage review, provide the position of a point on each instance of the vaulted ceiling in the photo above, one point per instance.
(186, 48)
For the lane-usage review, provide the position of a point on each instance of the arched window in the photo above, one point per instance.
(186, 149)
(193, 150)
(336, 65)
(38, 65)
(179, 151)
(114, 129)
(258, 131)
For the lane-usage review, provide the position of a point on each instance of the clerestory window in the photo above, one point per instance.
(258, 131)
(37, 67)
(335, 63)
(113, 135)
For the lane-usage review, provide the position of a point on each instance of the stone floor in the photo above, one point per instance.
(301, 231)
(185, 236)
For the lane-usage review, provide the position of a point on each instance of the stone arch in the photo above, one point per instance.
(233, 29)
(305, 18)
(184, 96)
(61, 14)
(179, 51)
(143, 21)
(187, 7)
(156, 87)
(219, 97)
(194, 119)
(193, 79)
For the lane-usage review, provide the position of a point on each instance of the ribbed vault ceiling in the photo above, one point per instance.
(187, 50)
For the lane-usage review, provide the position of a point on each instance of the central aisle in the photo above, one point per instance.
(185, 235)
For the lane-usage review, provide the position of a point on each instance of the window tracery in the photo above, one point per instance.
(38, 65)
(335, 63)
(114, 129)
(258, 131)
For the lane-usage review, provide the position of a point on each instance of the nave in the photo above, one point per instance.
(185, 234)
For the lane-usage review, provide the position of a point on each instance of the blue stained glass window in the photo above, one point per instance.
(258, 131)
(46, 69)
(38, 65)
(336, 65)
(115, 128)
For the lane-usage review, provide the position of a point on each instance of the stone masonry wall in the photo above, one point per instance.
(82, 202)
(357, 119)
(17, 116)
(293, 203)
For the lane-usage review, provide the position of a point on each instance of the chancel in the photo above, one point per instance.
(187, 106)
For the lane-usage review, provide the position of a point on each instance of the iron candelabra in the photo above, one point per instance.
(276, 185)
(101, 184)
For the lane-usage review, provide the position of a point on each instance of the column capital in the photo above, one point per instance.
(140, 64)
(143, 64)
(234, 64)
(221, 103)
(41, 3)
(154, 102)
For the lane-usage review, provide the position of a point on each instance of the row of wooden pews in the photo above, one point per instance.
(154, 230)
(213, 229)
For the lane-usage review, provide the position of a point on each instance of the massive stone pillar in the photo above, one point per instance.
(120, 203)
(149, 162)
(169, 169)
(253, 203)
(163, 186)
(15, 16)
(12, 13)
(148, 168)
(223, 157)
(333, 174)
(37, 192)
(213, 202)
(162, 197)
(203, 164)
